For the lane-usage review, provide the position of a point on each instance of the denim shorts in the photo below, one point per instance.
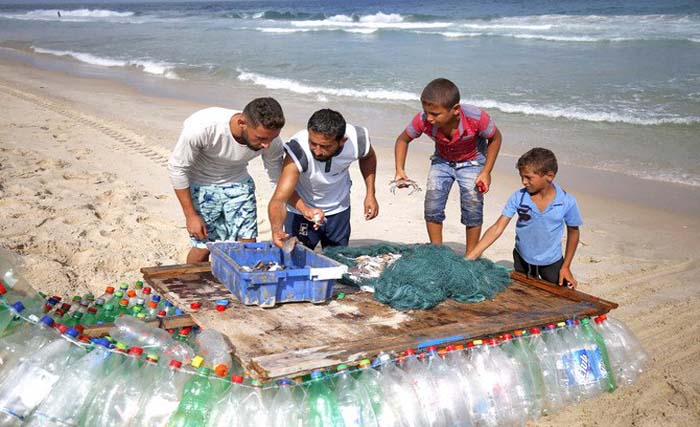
(229, 211)
(440, 179)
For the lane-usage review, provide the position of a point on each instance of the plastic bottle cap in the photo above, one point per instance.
(519, 333)
(124, 286)
(459, 347)
(119, 294)
(124, 302)
(77, 298)
(585, 321)
(79, 328)
(561, 324)
(178, 312)
(223, 302)
(152, 357)
(204, 371)
(109, 290)
(535, 331)
(3, 291)
(255, 383)
(603, 316)
(410, 352)
(61, 328)
(131, 293)
(221, 370)
(196, 305)
(92, 310)
(155, 298)
(108, 307)
(570, 322)
(220, 307)
(175, 363)
(197, 361)
(138, 284)
(598, 320)
(285, 382)
(470, 344)
(450, 347)
(365, 363)
(341, 367)
(47, 320)
(340, 295)
(18, 306)
(138, 351)
(121, 346)
(237, 379)
(162, 313)
(141, 316)
(506, 337)
(432, 348)
(316, 373)
(477, 342)
(72, 332)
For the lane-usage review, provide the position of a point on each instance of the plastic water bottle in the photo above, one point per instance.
(459, 366)
(108, 315)
(322, 406)
(582, 361)
(606, 370)
(353, 402)
(370, 379)
(399, 393)
(555, 342)
(194, 405)
(508, 390)
(226, 411)
(492, 404)
(253, 407)
(137, 333)
(553, 395)
(8, 314)
(534, 372)
(159, 403)
(526, 400)
(448, 389)
(31, 381)
(426, 390)
(64, 406)
(285, 410)
(25, 340)
(110, 386)
(212, 345)
(627, 356)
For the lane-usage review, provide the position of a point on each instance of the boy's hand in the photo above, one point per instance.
(483, 182)
(371, 207)
(279, 237)
(399, 177)
(565, 276)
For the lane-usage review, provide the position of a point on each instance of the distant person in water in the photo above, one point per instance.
(58, 12)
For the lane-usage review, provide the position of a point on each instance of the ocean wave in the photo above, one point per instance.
(298, 87)
(276, 30)
(378, 20)
(147, 66)
(573, 113)
(69, 15)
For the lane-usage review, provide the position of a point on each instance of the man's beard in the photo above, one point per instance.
(246, 141)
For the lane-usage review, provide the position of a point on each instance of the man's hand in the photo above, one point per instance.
(315, 215)
(483, 182)
(196, 227)
(371, 207)
(565, 275)
(279, 237)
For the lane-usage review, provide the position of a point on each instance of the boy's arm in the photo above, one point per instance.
(490, 236)
(572, 237)
(491, 154)
(400, 153)
(368, 167)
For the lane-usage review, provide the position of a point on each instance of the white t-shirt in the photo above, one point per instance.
(326, 185)
(207, 153)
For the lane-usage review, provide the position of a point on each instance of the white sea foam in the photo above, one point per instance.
(297, 87)
(377, 21)
(73, 15)
(145, 65)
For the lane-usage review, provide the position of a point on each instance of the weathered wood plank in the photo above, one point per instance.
(167, 323)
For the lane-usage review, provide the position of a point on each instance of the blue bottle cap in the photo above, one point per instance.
(168, 303)
(223, 302)
(47, 320)
(18, 306)
(179, 312)
(316, 373)
(570, 322)
(155, 298)
(72, 332)
(285, 382)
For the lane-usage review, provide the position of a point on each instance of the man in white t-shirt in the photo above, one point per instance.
(208, 169)
(316, 166)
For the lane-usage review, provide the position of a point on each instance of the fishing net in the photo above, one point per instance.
(424, 275)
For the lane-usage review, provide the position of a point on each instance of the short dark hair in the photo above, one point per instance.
(265, 112)
(540, 160)
(327, 122)
(441, 92)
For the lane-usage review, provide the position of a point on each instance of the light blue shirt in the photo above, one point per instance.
(538, 235)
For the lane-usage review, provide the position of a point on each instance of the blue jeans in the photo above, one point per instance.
(440, 179)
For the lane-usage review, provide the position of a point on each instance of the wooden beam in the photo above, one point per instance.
(168, 323)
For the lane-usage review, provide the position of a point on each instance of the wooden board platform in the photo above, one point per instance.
(294, 338)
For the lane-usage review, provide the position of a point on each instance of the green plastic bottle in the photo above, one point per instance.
(108, 315)
(194, 405)
(75, 319)
(591, 333)
(322, 407)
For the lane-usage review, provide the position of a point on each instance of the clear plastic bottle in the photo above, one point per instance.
(425, 388)
(459, 366)
(33, 378)
(492, 406)
(23, 341)
(65, 405)
(582, 362)
(212, 345)
(527, 398)
(553, 395)
(448, 388)
(353, 402)
(157, 406)
(196, 399)
(226, 411)
(608, 381)
(399, 393)
(253, 407)
(627, 356)
(370, 379)
(285, 410)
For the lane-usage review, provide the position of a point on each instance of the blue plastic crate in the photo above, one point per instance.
(308, 277)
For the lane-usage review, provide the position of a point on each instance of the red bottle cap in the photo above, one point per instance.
(146, 290)
(175, 363)
(237, 379)
(220, 307)
(410, 352)
(137, 351)
(196, 305)
(109, 289)
(535, 331)
(506, 337)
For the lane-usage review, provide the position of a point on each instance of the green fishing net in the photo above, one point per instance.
(426, 275)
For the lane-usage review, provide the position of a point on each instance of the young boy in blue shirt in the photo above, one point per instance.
(543, 208)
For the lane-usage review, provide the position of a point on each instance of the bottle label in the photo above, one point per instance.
(582, 366)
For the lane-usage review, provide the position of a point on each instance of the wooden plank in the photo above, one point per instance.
(294, 338)
(175, 270)
(167, 323)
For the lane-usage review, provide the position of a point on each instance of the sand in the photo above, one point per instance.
(86, 201)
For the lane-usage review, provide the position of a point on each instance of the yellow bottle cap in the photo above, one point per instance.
(560, 324)
(197, 361)
(478, 342)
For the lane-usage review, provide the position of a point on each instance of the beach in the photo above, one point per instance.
(86, 201)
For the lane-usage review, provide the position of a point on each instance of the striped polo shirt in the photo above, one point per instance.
(474, 125)
(326, 185)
